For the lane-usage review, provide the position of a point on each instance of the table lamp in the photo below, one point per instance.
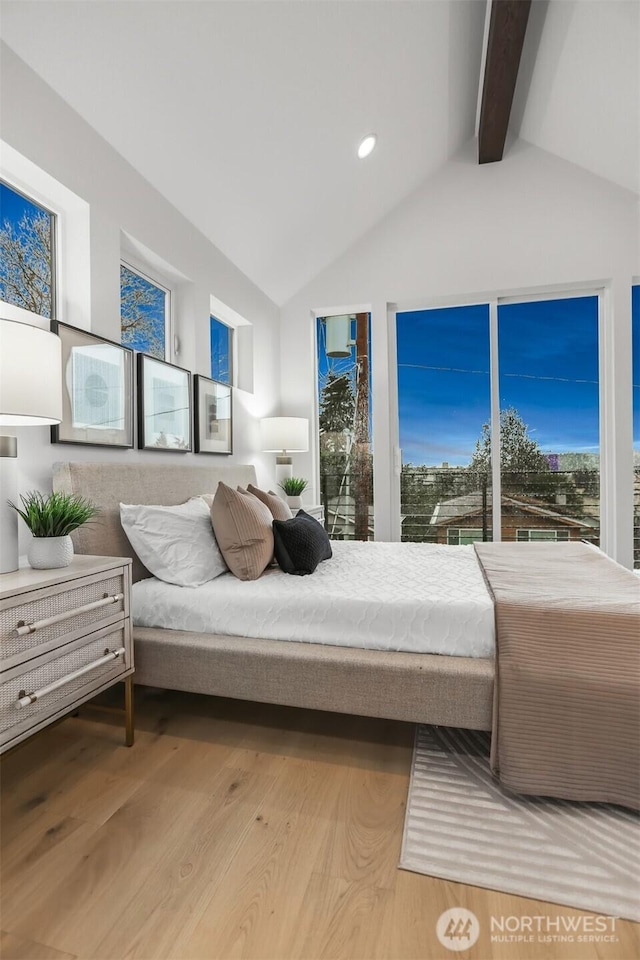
(30, 395)
(284, 435)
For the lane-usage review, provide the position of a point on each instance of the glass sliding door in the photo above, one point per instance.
(444, 404)
(549, 419)
(344, 414)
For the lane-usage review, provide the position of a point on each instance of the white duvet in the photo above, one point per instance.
(420, 598)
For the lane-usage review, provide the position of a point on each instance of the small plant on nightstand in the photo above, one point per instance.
(51, 519)
(294, 487)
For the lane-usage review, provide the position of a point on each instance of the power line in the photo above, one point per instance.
(520, 376)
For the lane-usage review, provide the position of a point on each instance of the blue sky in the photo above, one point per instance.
(13, 205)
(548, 371)
(220, 350)
(548, 353)
(443, 382)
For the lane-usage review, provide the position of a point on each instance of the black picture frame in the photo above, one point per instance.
(213, 433)
(107, 392)
(164, 406)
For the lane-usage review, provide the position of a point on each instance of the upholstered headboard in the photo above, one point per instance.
(110, 484)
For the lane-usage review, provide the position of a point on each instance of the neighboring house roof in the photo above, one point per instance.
(446, 512)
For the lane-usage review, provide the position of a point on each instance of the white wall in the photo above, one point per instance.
(531, 221)
(38, 124)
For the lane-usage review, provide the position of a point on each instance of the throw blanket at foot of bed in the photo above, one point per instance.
(566, 717)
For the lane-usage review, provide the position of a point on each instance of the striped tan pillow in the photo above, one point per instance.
(242, 526)
(279, 509)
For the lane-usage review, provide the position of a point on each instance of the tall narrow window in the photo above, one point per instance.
(220, 340)
(444, 398)
(344, 397)
(144, 312)
(635, 321)
(549, 419)
(27, 251)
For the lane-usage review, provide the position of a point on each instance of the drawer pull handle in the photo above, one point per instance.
(26, 699)
(24, 628)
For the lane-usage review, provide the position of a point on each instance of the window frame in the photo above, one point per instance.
(598, 289)
(529, 539)
(161, 283)
(373, 370)
(55, 244)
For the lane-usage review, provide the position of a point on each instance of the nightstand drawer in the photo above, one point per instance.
(57, 679)
(32, 623)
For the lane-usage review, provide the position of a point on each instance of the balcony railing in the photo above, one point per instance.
(454, 505)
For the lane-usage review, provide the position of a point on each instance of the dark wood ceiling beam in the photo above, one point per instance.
(507, 29)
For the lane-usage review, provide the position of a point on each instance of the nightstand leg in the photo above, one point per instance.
(128, 709)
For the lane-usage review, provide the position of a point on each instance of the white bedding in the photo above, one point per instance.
(420, 598)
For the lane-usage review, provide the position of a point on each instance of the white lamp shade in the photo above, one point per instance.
(30, 375)
(285, 433)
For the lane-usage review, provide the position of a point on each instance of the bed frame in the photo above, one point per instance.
(417, 687)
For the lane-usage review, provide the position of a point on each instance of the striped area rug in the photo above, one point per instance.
(461, 825)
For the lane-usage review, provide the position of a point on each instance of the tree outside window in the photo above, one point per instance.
(144, 313)
(26, 253)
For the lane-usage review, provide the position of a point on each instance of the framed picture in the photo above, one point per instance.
(164, 406)
(213, 416)
(97, 390)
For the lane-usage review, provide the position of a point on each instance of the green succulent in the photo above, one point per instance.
(294, 486)
(54, 515)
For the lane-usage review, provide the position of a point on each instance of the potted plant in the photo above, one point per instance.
(293, 488)
(51, 519)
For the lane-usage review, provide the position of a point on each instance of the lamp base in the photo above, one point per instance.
(8, 516)
(284, 471)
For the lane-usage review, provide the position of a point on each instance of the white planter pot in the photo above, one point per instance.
(48, 553)
(295, 502)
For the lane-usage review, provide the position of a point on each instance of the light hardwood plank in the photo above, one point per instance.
(14, 948)
(159, 914)
(231, 830)
(276, 855)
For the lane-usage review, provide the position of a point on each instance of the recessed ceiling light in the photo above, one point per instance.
(367, 145)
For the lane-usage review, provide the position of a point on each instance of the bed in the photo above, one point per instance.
(389, 682)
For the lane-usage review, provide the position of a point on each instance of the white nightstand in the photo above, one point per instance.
(316, 510)
(66, 636)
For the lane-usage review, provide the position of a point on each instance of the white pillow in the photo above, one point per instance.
(176, 544)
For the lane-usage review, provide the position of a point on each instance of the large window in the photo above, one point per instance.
(144, 312)
(220, 336)
(549, 416)
(344, 398)
(635, 320)
(444, 398)
(545, 402)
(27, 253)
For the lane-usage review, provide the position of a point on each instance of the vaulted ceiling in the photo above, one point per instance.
(247, 115)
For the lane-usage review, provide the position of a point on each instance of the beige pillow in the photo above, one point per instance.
(242, 526)
(279, 509)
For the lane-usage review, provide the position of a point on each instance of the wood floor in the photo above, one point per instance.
(230, 830)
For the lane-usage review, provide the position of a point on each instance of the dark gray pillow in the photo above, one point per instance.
(300, 544)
